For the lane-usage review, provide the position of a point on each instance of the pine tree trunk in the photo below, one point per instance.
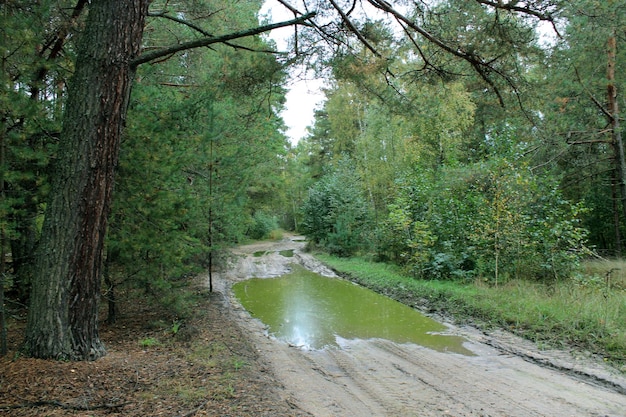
(63, 316)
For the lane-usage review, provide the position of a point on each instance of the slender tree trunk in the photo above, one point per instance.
(211, 168)
(616, 217)
(110, 292)
(63, 316)
(3, 327)
(618, 142)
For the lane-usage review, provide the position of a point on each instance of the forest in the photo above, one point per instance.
(462, 141)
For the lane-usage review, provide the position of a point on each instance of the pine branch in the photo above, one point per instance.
(481, 67)
(211, 40)
(354, 30)
(516, 7)
(200, 30)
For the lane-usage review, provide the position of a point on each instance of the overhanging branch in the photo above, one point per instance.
(518, 7)
(210, 40)
(480, 66)
(521, 8)
(200, 30)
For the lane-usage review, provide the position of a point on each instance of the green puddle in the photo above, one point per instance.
(311, 311)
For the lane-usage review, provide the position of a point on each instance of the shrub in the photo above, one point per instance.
(336, 215)
(263, 225)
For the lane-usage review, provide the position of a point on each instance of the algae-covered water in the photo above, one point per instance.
(312, 311)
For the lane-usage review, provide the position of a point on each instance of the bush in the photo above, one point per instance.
(492, 220)
(336, 215)
(264, 224)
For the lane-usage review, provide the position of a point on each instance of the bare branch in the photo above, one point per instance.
(516, 7)
(354, 30)
(56, 42)
(589, 142)
(210, 40)
(293, 10)
(599, 105)
(55, 45)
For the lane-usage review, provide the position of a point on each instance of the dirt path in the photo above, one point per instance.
(507, 377)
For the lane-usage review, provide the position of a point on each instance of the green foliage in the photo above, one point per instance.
(32, 83)
(149, 342)
(264, 224)
(202, 152)
(495, 221)
(576, 122)
(404, 240)
(336, 214)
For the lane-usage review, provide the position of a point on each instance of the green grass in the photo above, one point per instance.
(149, 342)
(583, 313)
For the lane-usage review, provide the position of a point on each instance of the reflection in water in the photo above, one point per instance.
(311, 311)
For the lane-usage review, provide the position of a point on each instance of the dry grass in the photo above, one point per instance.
(611, 272)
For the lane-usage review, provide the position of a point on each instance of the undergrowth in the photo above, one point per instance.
(585, 312)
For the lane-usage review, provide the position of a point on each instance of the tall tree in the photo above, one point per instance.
(63, 315)
(582, 133)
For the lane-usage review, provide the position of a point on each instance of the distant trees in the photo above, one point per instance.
(336, 214)
(459, 186)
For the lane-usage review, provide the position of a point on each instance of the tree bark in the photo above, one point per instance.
(63, 315)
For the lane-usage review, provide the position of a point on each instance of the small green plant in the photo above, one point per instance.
(224, 393)
(149, 342)
(175, 327)
(239, 363)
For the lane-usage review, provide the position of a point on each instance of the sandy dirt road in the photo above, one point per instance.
(506, 377)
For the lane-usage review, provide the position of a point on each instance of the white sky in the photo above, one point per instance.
(304, 95)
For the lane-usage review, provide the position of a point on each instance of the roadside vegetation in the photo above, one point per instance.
(587, 313)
